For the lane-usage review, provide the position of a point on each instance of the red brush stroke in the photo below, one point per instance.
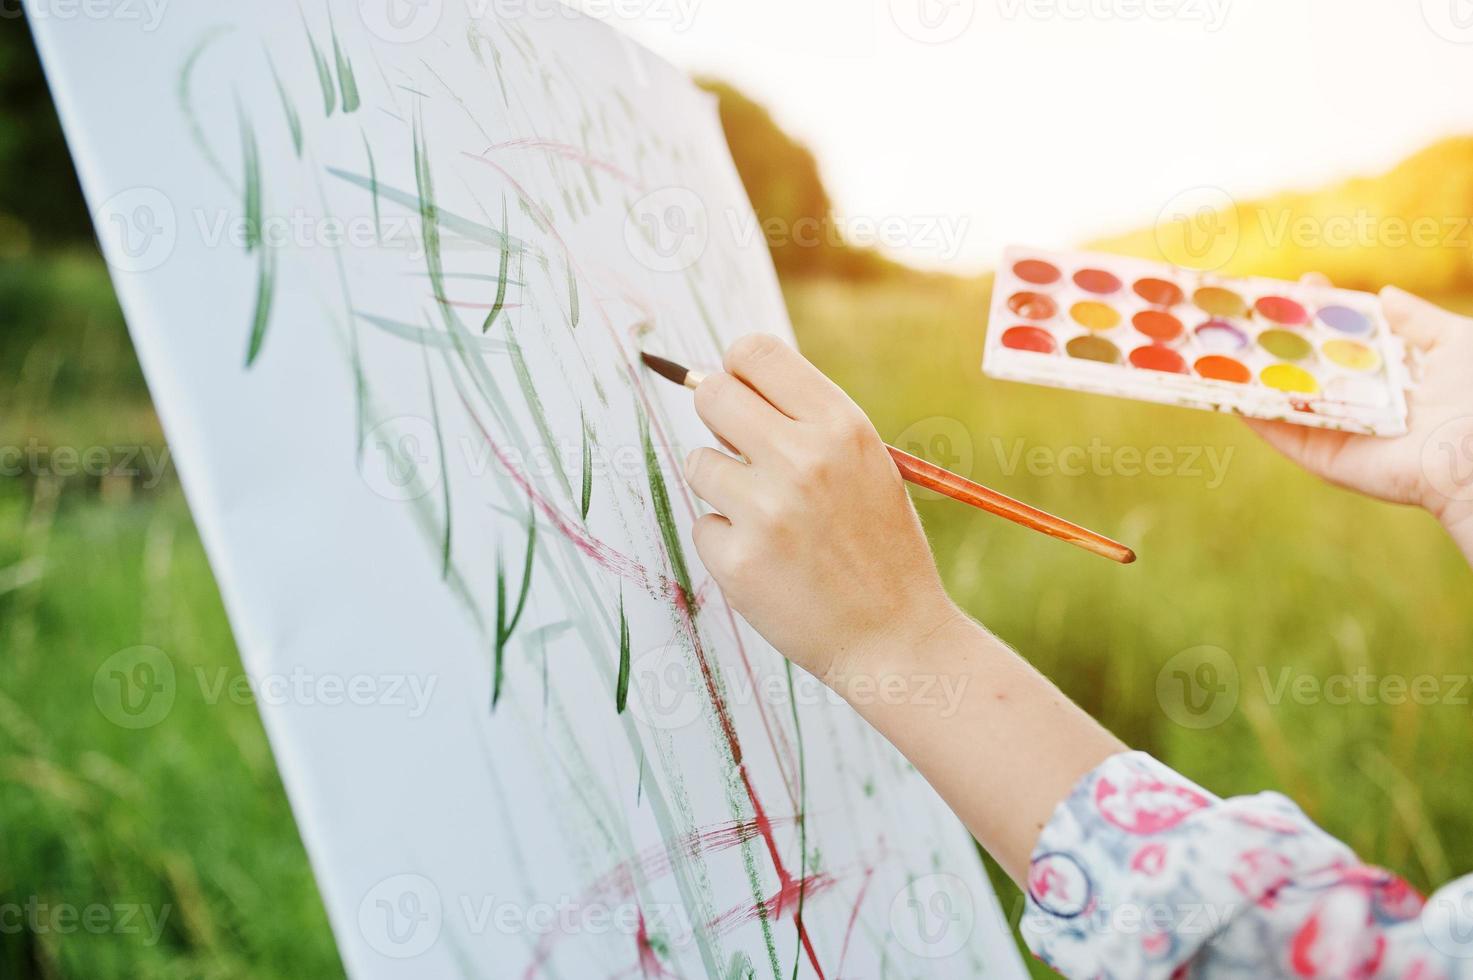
(869, 873)
(782, 903)
(568, 152)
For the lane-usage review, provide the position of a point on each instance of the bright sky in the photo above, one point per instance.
(976, 123)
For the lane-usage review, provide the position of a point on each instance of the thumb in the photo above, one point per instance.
(1420, 323)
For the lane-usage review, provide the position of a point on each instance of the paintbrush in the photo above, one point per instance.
(932, 477)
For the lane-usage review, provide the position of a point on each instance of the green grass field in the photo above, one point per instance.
(185, 822)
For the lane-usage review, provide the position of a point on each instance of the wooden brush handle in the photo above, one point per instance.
(933, 477)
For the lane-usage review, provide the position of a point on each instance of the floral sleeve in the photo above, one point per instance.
(1141, 873)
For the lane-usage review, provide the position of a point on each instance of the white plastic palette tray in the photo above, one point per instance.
(1311, 355)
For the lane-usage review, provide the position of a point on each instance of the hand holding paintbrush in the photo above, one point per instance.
(932, 477)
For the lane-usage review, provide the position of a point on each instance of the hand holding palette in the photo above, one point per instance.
(1307, 354)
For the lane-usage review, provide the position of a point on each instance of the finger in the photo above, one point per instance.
(738, 415)
(1421, 323)
(711, 534)
(719, 480)
(784, 377)
(1317, 450)
(1315, 279)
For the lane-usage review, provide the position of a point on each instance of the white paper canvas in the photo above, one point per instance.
(388, 277)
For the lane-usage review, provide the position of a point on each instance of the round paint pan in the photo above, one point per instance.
(1098, 281)
(1155, 357)
(1098, 317)
(1035, 339)
(1286, 345)
(1220, 303)
(1290, 378)
(1159, 292)
(1218, 367)
(1159, 325)
(1281, 311)
(1352, 355)
(1037, 272)
(1220, 337)
(1344, 320)
(1033, 306)
(1092, 348)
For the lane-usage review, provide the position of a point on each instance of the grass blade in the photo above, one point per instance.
(252, 163)
(293, 120)
(587, 466)
(664, 514)
(534, 405)
(506, 624)
(346, 79)
(572, 295)
(444, 465)
(378, 227)
(621, 689)
(324, 73)
(265, 293)
(501, 275)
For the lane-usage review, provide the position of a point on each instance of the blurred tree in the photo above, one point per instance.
(40, 199)
(782, 180)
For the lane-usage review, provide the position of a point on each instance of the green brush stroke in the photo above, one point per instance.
(572, 296)
(426, 337)
(664, 514)
(449, 221)
(324, 72)
(444, 465)
(621, 687)
(506, 625)
(378, 227)
(534, 405)
(501, 274)
(252, 167)
(587, 500)
(429, 221)
(293, 120)
(186, 81)
(802, 819)
(265, 293)
(346, 79)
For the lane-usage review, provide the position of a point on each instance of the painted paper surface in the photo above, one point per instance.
(388, 279)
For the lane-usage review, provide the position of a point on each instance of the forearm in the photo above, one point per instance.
(1459, 523)
(996, 739)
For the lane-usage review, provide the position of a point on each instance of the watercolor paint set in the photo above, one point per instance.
(1311, 355)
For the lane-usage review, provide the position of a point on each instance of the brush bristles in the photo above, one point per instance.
(668, 370)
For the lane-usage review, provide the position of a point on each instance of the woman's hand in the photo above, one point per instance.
(1405, 470)
(815, 541)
